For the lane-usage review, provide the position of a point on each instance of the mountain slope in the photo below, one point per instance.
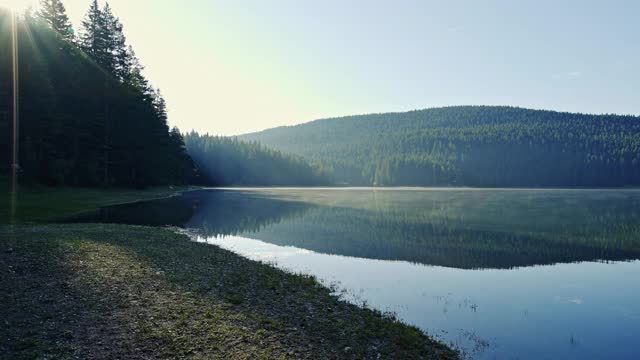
(225, 161)
(470, 146)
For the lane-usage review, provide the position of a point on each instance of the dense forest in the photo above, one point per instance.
(88, 116)
(469, 146)
(224, 161)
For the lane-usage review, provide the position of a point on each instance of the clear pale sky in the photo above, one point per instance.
(231, 67)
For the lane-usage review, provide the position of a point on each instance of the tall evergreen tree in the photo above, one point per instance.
(134, 76)
(87, 126)
(90, 29)
(104, 40)
(120, 51)
(160, 106)
(113, 40)
(54, 14)
(93, 40)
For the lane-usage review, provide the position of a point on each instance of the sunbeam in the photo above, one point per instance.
(16, 112)
(15, 5)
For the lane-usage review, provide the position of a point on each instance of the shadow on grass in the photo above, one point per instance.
(147, 292)
(47, 312)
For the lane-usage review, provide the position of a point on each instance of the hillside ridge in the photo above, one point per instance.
(449, 107)
(494, 146)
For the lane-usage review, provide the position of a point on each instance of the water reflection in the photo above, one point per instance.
(564, 311)
(467, 229)
(500, 274)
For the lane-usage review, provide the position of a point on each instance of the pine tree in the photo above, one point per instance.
(104, 40)
(85, 127)
(113, 40)
(54, 14)
(160, 106)
(134, 77)
(179, 159)
(92, 39)
(120, 51)
(97, 43)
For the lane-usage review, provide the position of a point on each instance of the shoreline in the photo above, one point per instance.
(150, 292)
(125, 291)
(411, 188)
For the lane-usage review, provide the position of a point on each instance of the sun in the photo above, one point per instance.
(16, 5)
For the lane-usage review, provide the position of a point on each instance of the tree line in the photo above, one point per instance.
(226, 161)
(88, 115)
(481, 146)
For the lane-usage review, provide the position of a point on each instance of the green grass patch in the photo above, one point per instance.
(38, 204)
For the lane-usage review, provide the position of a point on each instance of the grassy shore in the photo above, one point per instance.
(38, 204)
(116, 291)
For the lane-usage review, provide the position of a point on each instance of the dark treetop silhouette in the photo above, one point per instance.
(88, 116)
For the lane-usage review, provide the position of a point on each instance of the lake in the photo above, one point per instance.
(499, 274)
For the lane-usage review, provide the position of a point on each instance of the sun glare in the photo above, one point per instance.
(15, 5)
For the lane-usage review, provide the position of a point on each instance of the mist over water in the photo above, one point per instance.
(523, 274)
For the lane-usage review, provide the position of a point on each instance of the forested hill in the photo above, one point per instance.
(469, 146)
(88, 116)
(224, 161)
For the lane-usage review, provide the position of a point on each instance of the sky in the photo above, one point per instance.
(232, 67)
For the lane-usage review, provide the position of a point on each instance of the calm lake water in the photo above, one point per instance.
(499, 274)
